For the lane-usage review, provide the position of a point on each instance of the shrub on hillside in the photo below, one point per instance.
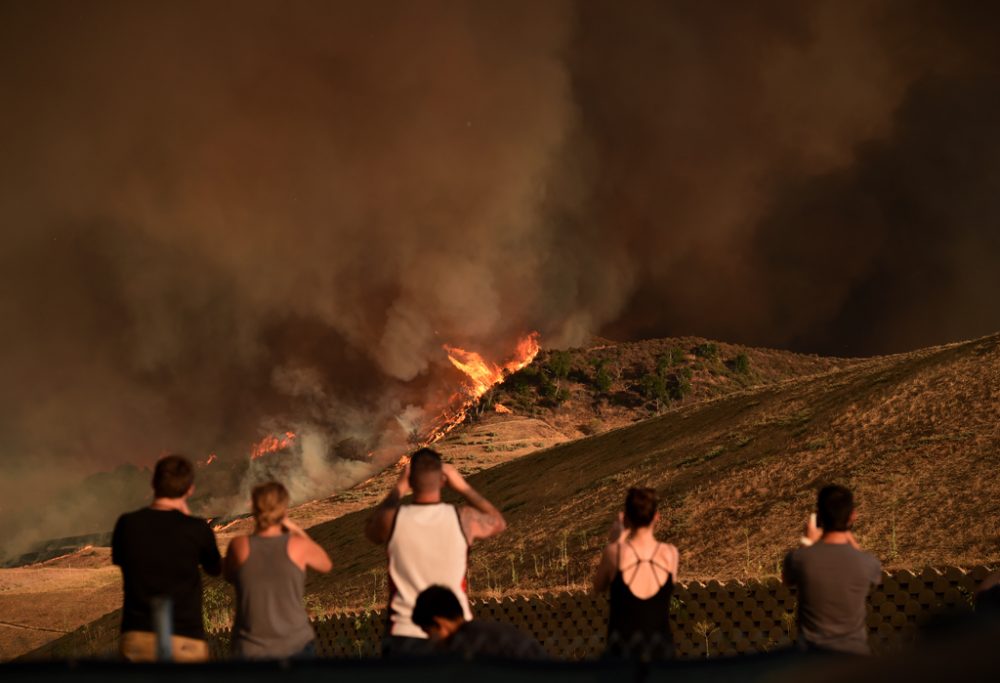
(559, 364)
(655, 388)
(741, 364)
(707, 350)
(678, 386)
(602, 378)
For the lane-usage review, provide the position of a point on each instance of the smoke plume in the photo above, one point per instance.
(222, 219)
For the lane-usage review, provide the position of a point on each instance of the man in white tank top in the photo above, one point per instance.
(427, 542)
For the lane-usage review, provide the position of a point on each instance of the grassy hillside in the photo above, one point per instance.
(916, 435)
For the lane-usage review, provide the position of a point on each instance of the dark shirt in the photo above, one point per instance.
(479, 638)
(833, 582)
(639, 627)
(159, 552)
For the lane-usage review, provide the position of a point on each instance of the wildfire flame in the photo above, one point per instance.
(501, 408)
(272, 444)
(209, 460)
(482, 375)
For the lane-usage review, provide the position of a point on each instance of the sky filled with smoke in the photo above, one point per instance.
(222, 218)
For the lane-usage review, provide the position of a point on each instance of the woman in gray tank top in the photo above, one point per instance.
(268, 568)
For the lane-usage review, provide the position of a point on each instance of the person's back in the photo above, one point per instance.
(427, 547)
(639, 602)
(833, 582)
(427, 542)
(438, 613)
(492, 639)
(833, 577)
(268, 569)
(639, 572)
(159, 550)
(270, 620)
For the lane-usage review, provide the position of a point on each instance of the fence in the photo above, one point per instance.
(709, 619)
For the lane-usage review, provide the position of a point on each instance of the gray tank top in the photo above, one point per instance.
(271, 620)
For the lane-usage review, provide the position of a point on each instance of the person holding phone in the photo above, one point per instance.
(268, 568)
(640, 574)
(833, 577)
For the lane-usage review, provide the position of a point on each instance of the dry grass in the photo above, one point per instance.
(40, 602)
(916, 436)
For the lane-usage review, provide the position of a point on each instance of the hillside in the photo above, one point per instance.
(737, 459)
(916, 435)
(585, 391)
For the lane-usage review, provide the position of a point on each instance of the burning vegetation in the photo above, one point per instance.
(481, 376)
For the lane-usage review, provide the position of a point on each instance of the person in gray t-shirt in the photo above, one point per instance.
(833, 577)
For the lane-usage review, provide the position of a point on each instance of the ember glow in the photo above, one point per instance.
(481, 376)
(210, 459)
(272, 444)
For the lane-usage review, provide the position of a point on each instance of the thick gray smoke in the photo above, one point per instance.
(223, 219)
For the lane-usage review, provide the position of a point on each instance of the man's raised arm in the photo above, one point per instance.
(481, 519)
(379, 525)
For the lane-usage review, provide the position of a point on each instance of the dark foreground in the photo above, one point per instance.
(967, 653)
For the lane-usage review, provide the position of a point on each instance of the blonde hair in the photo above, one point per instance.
(270, 503)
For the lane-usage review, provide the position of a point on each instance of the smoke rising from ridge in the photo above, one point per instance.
(226, 218)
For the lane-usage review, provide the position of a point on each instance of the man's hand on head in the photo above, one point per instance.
(291, 527)
(812, 531)
(403, 483)
(454, 479)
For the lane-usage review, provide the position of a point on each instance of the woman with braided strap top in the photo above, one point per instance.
(640, 573)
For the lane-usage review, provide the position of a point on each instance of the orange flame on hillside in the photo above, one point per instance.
(482, 375)
(210, 459)
(272, 444)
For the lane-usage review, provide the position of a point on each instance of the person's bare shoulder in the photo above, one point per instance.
(239, 548)
(668, 553)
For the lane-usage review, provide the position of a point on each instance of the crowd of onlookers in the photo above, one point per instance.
(161, 547)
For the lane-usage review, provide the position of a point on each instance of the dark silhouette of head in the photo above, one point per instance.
(640, 507)
(438, 612)
(173, 477)
(425, 472)
(834, 508)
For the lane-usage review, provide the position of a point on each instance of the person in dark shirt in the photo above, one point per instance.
(440, 615)
(159, 549)
(639, 574)
(833, 577)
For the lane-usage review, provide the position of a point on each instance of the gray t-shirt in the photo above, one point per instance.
(833, 582)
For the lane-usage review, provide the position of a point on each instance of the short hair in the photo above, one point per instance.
(173, 476)
(270, 503)
(425, 469)
(436, 601)
(834, 506)
(640, 507)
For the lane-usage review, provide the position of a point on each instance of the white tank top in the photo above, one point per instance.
(427, 548)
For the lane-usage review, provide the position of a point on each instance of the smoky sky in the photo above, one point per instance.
(222, 218)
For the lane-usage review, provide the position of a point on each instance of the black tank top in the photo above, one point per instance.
(640, 627)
